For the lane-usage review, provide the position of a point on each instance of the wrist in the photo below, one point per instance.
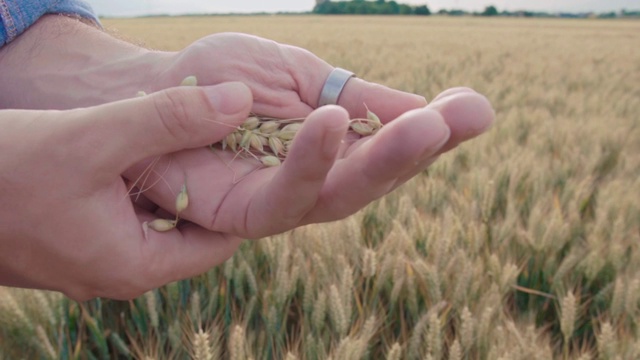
(62, 63)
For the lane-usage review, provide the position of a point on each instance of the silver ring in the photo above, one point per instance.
(333, 86)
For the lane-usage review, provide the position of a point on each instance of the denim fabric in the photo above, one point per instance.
(17, 15)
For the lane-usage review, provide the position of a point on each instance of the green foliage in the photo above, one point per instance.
(361, 7)
(490, 11)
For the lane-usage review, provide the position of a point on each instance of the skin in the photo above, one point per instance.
(68, 221)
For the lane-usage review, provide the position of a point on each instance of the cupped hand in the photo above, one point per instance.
(327, 175)
(67, 221)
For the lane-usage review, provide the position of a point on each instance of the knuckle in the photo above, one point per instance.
(175, 110)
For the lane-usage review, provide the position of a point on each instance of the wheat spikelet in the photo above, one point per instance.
(311, 347)
(337, 311)
(346, 292)
(175, 333)
(463, 278)
(433, 283)
(606, 341)
(508, 277)
(250, 277)
(228, 268)
(585, 356)
(119, 344)
(369, 264)
(618, 298)
(11, 314)
(395, 353)
(411, 293)
(44, 343)
(202, 346)
(416, 339)
(309, 297)
(43, 305)
(399, 276)
(194, 311)
(273, 320)
(434, 336)
(369, 328)
(467, 329)
(152, 309)
(568, 319)
(455, 351)
(319, 311)
(343, 351)
(484, 325)
(237, 346)
(632, 299)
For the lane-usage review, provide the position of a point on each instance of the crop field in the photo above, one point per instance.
(521, 244)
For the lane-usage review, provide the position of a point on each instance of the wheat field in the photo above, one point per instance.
(522, 244)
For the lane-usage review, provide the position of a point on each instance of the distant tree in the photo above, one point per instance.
(490, 11)
(404, 9)
(422, 10)
(362, 7)
(457, 12)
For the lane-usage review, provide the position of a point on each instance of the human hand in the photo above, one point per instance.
(67, 222)
(320, 181)
(326, 176)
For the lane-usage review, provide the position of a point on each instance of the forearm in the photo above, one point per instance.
(62, 63)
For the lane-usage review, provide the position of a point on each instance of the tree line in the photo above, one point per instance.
(383, 7)
(362, 7)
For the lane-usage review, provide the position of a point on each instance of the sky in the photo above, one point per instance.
(173, 7)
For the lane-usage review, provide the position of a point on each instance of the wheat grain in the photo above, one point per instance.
(189, 81)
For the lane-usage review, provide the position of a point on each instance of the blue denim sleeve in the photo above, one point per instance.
(17, 15)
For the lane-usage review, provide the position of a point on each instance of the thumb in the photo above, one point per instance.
(167, 121)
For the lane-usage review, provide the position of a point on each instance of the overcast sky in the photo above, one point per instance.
(144, 7)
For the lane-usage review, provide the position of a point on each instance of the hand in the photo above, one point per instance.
(326, 176)
(67, 222)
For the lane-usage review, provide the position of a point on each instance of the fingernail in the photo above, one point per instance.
(229, 98)
(440, 132)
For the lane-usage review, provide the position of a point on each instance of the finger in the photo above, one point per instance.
(185, 252)
(129, 131)
(467, 113)
(372, 169)
(387, 103)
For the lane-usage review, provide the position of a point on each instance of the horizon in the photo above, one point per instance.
(128, 8)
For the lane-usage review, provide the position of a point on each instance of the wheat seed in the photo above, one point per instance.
(161, 225)
(189, 81)
(182, 200)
